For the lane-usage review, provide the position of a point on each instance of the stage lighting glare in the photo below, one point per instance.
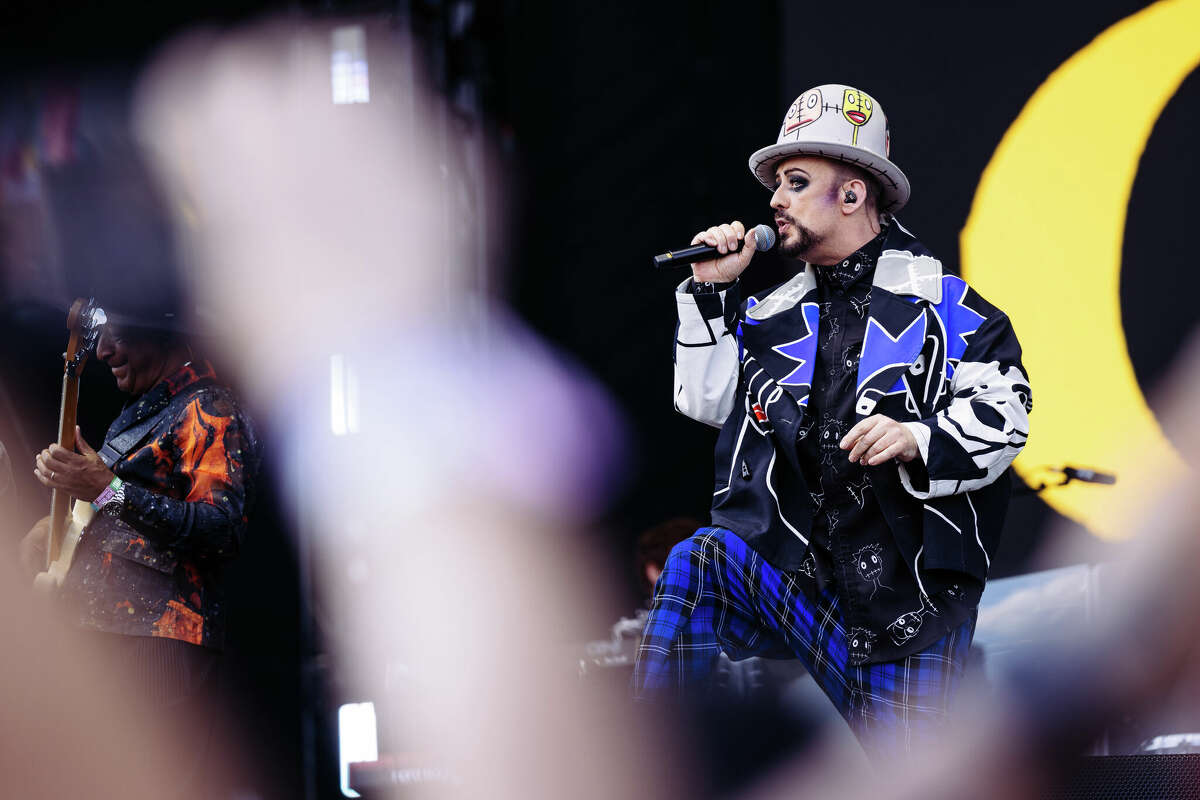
(356, 740)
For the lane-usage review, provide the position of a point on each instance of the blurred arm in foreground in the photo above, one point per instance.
(439, 504)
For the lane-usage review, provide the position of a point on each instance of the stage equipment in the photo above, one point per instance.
(1069, 474)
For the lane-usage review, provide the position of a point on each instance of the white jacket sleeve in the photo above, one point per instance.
(706, 354)
(968, 444)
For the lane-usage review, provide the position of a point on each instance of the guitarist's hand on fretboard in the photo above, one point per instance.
(83, 475)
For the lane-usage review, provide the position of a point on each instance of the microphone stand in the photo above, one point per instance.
(1069, 474)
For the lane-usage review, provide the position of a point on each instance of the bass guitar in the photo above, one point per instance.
(84, 324)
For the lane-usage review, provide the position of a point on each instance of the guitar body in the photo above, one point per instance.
(56, 572)
(84, 323)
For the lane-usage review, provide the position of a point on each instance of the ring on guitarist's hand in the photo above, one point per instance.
(51, 474)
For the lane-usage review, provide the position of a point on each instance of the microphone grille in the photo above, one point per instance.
(764, 237)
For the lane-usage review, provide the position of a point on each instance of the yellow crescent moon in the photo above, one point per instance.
(1043, 242)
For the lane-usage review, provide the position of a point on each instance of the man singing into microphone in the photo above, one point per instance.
(868, 408)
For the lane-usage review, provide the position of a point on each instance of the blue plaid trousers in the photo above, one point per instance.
(716, 593)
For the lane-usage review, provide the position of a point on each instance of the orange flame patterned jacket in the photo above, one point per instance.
(156, 570)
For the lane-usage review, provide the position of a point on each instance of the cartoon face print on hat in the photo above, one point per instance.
(837, 121)
(805, 111)
(857, 107)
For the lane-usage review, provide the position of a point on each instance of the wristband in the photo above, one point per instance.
(708, 287)
(112, 499)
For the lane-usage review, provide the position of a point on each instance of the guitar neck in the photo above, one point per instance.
(60, 501)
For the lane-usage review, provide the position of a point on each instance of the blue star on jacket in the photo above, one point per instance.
(961, 320)
(881, 350)
(801, 350)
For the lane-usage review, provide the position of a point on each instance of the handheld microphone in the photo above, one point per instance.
(764, 239)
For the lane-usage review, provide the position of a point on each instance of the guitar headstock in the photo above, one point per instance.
(84, 322)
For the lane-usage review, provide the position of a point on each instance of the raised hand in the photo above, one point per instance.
(730, 265)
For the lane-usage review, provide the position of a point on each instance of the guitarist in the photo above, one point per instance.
(172, 483)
